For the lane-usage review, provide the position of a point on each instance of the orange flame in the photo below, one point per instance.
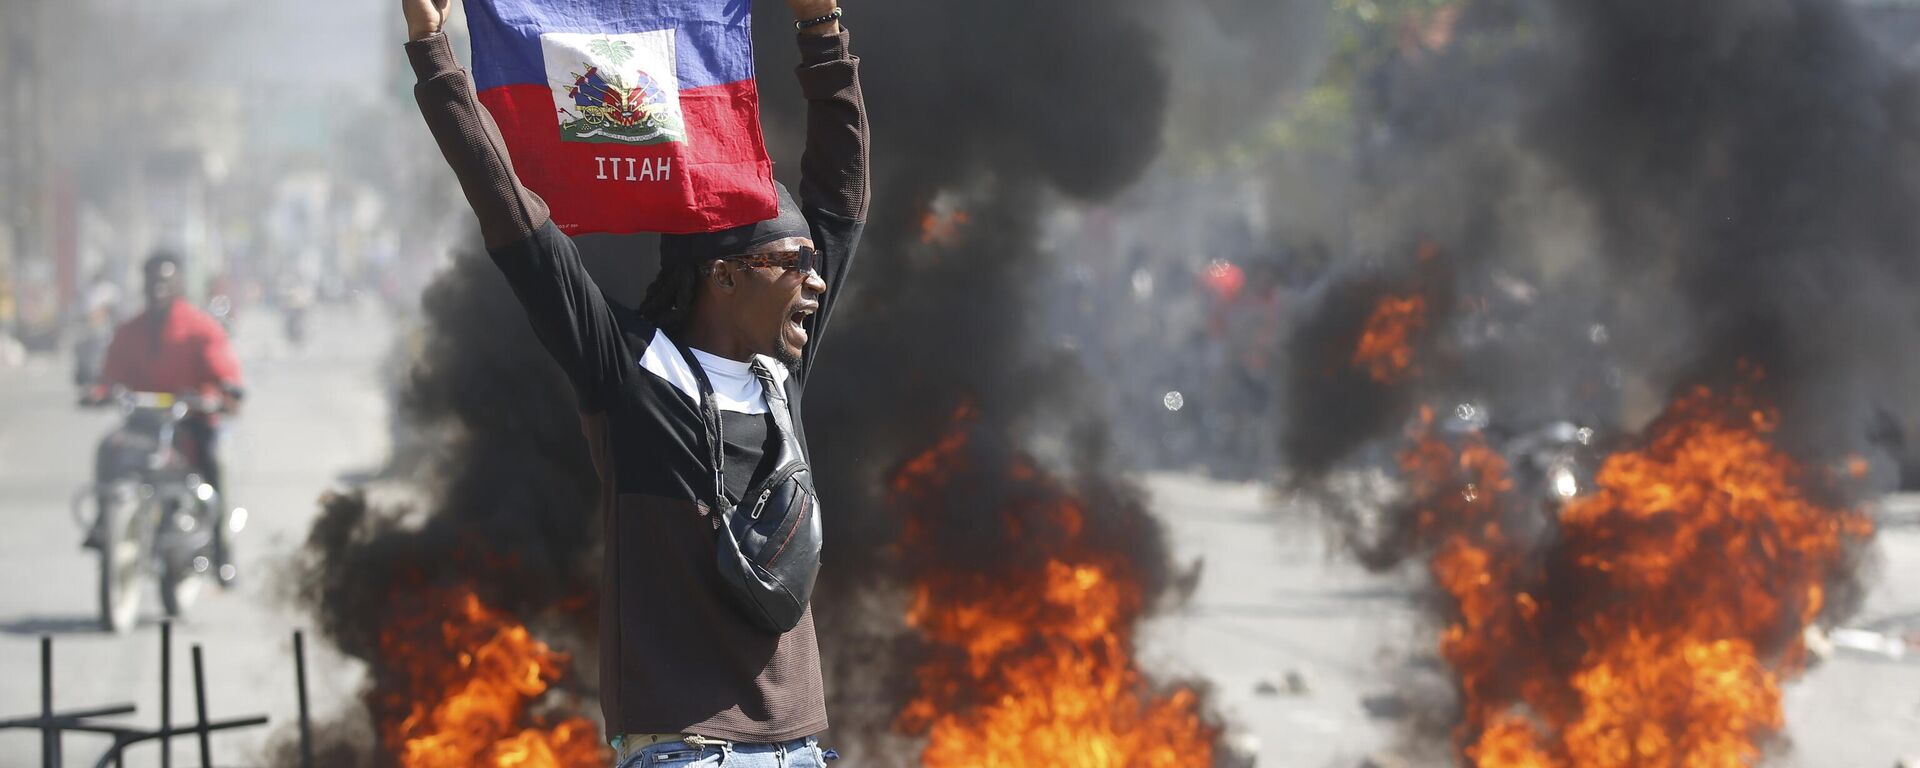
(1035, 665)
(1666, 612)
(1385, 350)
(943, 228)
(465, 701)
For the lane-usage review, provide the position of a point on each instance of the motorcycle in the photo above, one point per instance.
(152, 512)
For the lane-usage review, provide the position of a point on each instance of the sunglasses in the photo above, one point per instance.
(802, 259)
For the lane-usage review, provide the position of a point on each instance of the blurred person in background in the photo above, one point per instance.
(295, 302)
(102, 308)
(176, 348)
(1242, 325)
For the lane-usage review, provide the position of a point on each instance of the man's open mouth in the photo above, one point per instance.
(797, 323)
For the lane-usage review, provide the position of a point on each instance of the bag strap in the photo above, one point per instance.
(710, 417)
(776, 397)
(710, 423)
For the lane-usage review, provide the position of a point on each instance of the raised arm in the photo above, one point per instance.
(567, 310)
(468, 138)
(833, 170)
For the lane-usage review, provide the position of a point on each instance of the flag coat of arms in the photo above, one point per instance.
(627, 115)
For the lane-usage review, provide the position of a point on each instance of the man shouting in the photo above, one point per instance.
(691, 405)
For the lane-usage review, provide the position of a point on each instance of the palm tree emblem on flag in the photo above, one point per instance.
(615, 104)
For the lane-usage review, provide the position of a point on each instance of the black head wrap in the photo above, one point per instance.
(678, 250)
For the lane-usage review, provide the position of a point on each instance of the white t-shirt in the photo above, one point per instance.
(735, 388)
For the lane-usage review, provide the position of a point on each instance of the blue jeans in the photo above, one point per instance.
(799, 753)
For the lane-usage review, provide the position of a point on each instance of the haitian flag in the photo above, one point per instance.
(627, 115)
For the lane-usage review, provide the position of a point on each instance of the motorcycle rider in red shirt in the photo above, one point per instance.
(174, 347)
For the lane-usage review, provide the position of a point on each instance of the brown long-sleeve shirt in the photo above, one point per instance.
(676, 656)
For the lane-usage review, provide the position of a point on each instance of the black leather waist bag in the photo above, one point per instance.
(768, 546)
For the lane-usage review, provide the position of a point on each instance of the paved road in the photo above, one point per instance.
(1277, 597)
(311, 415)
(1274, 599)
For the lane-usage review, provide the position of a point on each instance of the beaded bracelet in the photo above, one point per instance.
(803, 24)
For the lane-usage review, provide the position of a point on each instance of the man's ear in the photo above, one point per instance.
(723, 276)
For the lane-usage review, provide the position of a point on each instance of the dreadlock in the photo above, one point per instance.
(669, 300)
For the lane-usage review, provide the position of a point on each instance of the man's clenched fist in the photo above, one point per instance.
(424, 17)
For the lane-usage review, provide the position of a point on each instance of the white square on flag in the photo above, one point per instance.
(615, 88)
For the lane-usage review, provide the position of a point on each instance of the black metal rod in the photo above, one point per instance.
(69, 717)
(139, 734)
(49, 732)
(166, 693)
(200, 707)
(112, 757)
(119, 751)
(125, 737)
(300, 683)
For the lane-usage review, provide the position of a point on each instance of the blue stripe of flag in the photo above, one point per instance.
(713, 37)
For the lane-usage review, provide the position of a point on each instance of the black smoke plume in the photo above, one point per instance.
(1632, 199)
(489, 436)
(997, 120)
(1658, 190)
